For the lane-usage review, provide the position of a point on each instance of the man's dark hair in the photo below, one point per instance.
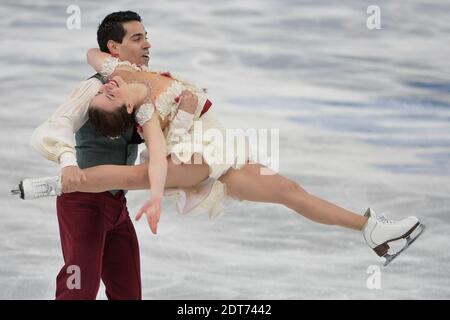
(111, 28)
(111, 123)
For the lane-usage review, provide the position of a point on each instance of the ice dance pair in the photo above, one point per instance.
(125, 93)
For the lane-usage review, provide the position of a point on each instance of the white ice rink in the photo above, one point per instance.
(364, 119)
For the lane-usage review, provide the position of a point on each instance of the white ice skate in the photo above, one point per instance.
(38, 188)
(379, 232)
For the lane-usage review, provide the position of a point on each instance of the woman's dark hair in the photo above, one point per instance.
(111, 28)
(111, 123)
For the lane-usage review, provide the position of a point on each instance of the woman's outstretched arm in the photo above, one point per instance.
(157, 170)
(156, 148)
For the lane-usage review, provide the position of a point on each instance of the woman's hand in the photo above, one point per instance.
(188, 101)
(152, 208)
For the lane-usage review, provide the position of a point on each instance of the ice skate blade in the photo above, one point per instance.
(14, 192)
(389, 257)
(18, 191)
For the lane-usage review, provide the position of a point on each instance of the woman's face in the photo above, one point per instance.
(112, 95)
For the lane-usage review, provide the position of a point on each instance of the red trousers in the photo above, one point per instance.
(98, 242)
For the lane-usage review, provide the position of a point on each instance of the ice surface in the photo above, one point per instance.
(363, 118)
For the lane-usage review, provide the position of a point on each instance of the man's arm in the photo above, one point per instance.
(54, 139)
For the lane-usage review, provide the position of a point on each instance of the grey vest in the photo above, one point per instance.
(93, 149)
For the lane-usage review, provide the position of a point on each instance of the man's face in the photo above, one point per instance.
(135, 46)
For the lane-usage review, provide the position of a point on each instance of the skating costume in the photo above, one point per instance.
(210, 195)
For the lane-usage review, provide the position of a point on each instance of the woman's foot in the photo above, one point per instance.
(379, 232)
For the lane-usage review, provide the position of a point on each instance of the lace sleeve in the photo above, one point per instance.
(144, 113)
(109, 65)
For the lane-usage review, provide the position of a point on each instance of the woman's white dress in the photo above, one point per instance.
(207, 137)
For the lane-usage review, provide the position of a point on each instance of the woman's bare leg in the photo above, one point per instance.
(248, 184)
(116, 177)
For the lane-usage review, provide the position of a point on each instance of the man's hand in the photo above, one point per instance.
(152, 208)
(188, 101)
(72, 178)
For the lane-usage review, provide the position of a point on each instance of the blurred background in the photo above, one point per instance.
(364, 120)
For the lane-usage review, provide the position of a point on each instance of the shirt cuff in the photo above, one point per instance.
(67, 159)
(184, 116)
(183, 120)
